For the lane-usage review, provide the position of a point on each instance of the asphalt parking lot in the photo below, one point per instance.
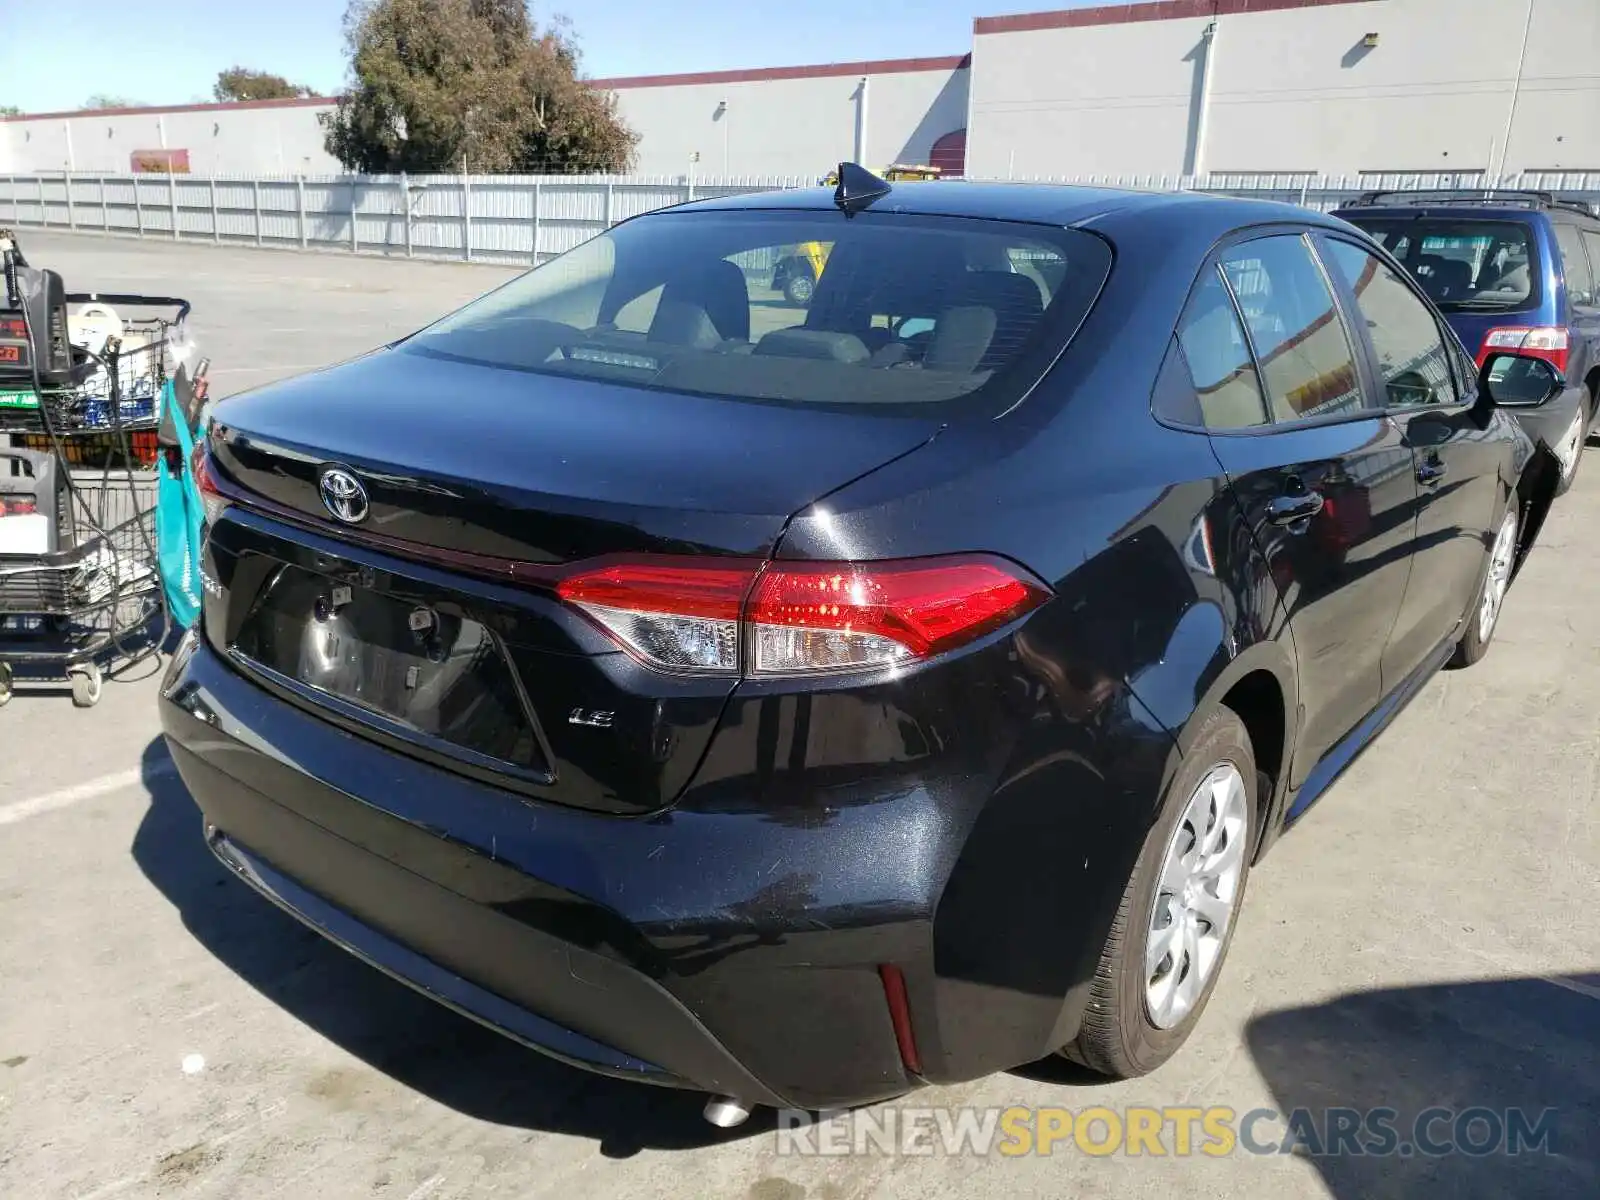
(1426, 937)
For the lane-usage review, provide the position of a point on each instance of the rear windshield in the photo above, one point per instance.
(1466, 266)
(801, 307)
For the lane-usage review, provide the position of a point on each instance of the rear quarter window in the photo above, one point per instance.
(1575, 265)
(905, 310)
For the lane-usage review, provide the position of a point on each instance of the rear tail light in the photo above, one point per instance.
(682, 617)
(212, 499)
(17, 507)
(1549, 342)
(800, 619)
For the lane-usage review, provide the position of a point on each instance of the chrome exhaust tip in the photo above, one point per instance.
(725, 1112)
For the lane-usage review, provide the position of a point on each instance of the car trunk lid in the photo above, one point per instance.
(407, 626)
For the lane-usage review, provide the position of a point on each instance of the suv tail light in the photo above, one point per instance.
(1549, 342)
(801, 618)
(17, 507)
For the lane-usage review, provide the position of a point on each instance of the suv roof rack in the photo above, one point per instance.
(1525, 197)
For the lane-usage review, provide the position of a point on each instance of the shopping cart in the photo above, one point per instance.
(92, 600)
(123, 357)
(67, 612)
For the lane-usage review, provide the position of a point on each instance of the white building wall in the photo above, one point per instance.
(270, 139)
(1298, 89)
(749, 124)
(1102, 99)
(1284, 85)
(791, 126)
(1557, 121)
(1292, 88)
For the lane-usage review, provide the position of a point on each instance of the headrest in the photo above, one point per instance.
(814, 343)
(703, 307)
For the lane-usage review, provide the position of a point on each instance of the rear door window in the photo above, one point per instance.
(1307, 363)
(1575, 265)
(1413, 357)
(906, 310)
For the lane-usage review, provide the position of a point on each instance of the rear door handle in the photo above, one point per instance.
(1300, 506)
(1431, 473)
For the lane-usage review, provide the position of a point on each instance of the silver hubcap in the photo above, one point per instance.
(1571, 446)
(1499, 578)
(1196, 895)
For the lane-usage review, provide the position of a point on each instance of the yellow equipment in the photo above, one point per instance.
(899, 173)
(796, 273)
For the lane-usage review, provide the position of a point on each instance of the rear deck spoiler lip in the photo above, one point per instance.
(484, 566)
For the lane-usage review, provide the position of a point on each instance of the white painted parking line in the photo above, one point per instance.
(21, 810)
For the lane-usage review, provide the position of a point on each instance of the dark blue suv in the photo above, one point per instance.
(1510, 270)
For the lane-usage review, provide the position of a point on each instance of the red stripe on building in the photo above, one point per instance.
(156, 110)
(882, 66)
(1153, 10)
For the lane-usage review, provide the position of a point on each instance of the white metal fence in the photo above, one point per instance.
(526, 218)
(517, 218)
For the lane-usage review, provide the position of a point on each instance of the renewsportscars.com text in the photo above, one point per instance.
(1214, 1132)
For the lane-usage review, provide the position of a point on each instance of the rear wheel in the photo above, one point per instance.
(1484, 615)
(1570, 452)
(1177, 916)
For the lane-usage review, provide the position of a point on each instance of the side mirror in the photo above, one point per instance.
(1515, 380)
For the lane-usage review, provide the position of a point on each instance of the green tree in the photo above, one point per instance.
(102, 100)
(10, 110)
(241, 83)
(436, 85)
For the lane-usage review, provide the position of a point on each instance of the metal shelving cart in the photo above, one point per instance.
(91, 601)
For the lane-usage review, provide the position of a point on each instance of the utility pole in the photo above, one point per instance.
(861, 121)
(1208, 73)
(1498, 170)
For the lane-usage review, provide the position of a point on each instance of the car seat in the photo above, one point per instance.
(704, 307)
(991, 318)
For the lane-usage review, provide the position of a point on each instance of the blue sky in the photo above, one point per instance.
(55, 54)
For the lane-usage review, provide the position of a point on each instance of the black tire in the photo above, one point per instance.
(1118, 1037)
(798, 288)
(1475, 642)
(5, 685)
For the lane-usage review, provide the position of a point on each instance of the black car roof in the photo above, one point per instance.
(1041, 203)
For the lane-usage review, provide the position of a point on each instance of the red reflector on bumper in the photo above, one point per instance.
(894, 991)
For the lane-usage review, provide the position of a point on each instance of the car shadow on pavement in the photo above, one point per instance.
(415, 1041)
(1523, 1052)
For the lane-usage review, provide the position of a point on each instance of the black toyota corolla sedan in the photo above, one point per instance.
(802, 704)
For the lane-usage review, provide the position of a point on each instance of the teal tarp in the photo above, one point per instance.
(180, 519)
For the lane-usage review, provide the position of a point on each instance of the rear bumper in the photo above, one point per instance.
(473, 933)
(732, 949)
(413, 969)
(1558, 427)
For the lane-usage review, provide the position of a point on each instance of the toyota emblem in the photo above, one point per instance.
(343, 496)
